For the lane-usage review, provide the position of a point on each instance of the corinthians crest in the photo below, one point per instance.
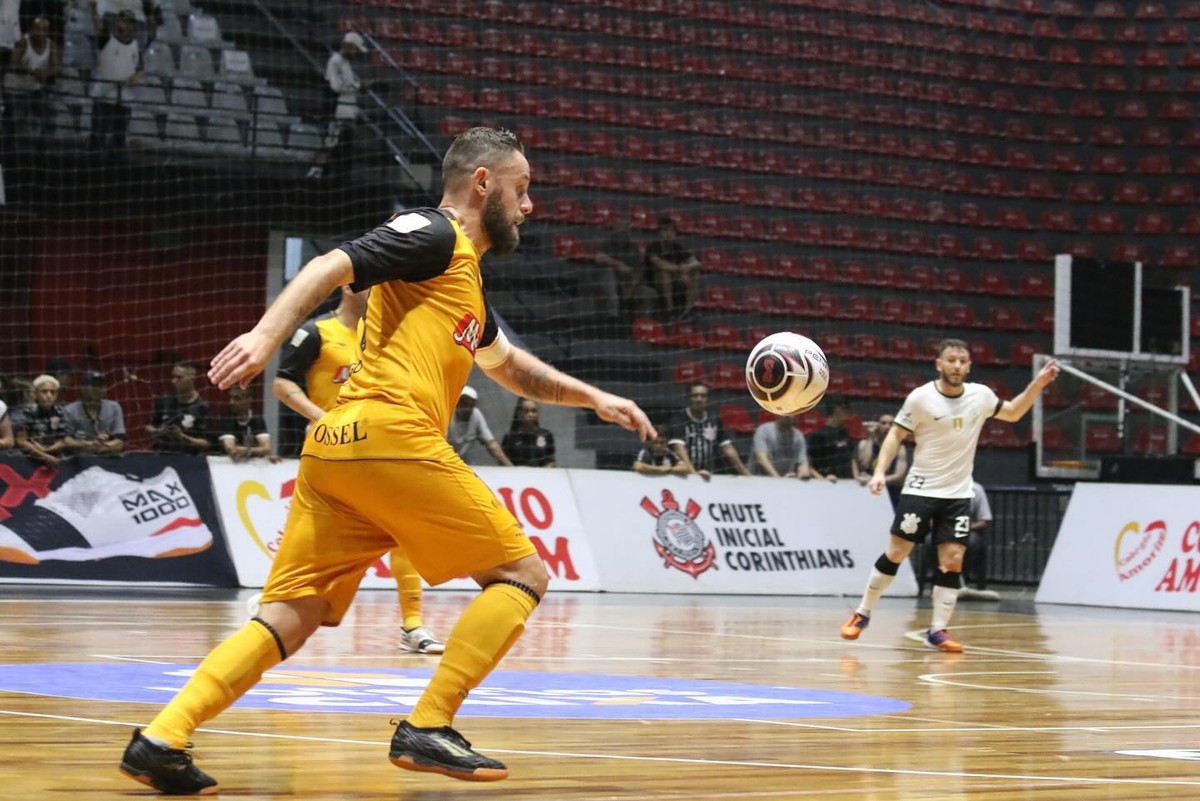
(677, 538)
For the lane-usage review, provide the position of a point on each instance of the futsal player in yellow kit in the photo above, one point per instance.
(377, 471)
(315, 362)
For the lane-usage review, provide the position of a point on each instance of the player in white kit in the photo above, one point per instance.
(945, 416)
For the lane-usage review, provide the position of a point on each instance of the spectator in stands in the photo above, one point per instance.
(779, 450)
(468, 426)
(616, 285)
(179, 423)
(656, 459)
(832, 451)
(10, 34)
(98, 423)
(145, 15)
(344, 86)
(34, 63)
(975, 561)
(696, 437)
(42, 431)
(7, 440)
(868, 455)
(64, 370)
(118, 64)
(672, 269)
(18, 393)
(243, 434)
(527, 444)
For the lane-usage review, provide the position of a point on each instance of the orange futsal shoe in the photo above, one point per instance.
(854, 626)
(942, 641)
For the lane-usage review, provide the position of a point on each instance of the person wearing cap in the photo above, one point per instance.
(344, 85)
(42, 431)
(98, 423)
(468, 426)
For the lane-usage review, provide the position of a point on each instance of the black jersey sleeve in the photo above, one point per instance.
(299, 353)
(412, 246)
(490, 327)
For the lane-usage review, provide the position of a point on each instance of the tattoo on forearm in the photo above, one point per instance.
(539, 383)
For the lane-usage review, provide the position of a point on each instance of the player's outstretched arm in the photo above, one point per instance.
(1013, 410)
(247, 356)
(887, 452)
(526, 375)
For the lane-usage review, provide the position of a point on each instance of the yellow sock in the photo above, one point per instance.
(230, 669)
(480, 639)
(408, 582)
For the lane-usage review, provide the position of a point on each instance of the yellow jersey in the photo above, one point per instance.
(426, 321)
(319, 357)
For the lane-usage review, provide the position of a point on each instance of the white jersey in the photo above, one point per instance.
(947, 432)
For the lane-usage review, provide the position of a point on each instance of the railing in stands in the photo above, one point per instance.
(395, 115)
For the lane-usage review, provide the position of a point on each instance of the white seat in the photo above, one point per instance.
(196, 62)
(269, 103)
(203, 29)
(159, 60)
(72, 122)
(224, 136)
(148, 93)
(170, 31)
(268, 141)
(77, 18)
(183, 134)
(236, 67)
(143, 129)
(188, 95)
(70, 89)
(228, 99)
(179, 7)
(78, 52)
(304, 140)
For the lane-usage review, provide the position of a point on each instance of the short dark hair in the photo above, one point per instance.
(837, 402)
(475, 148)
(188, 364)
(700, 384)
(947, 344)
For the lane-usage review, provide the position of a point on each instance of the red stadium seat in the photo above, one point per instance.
(1006, 318)
(813, 421)
(1180, 256)
(726, 336)
(994, 283)
(1177, 194)
(1104, 222)
(868, 346)
(874, 385)
(904, 348)
(686, 334)
(726, 375)
(718, 296)
(926, 312)
(1036, 284)
(736, 419)
(1102, 438)
(688, 372)
(647, 329)
(1023, 352)
(1129, 251)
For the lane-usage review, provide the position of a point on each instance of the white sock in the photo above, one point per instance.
(875, 587)
(944, 599)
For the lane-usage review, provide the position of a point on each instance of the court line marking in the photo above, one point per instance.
(938, 678)
(669, 760)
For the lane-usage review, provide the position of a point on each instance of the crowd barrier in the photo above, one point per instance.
(178, 519)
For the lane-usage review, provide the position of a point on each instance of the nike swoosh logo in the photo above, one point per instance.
(960, 535)
(939, 418)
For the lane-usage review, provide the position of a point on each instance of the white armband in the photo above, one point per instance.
(495, 354)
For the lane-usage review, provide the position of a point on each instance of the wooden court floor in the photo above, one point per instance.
(1047, 702)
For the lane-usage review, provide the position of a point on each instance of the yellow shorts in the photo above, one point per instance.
(347, 514)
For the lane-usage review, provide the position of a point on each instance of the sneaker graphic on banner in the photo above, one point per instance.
(99, 514)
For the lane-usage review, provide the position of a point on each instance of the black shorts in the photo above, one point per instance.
(948, 518)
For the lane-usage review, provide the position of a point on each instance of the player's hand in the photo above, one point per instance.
(875, 485)
(1049, 372)
(626, 414)
(241, 360)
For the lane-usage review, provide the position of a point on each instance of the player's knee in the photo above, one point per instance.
(294, 621)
